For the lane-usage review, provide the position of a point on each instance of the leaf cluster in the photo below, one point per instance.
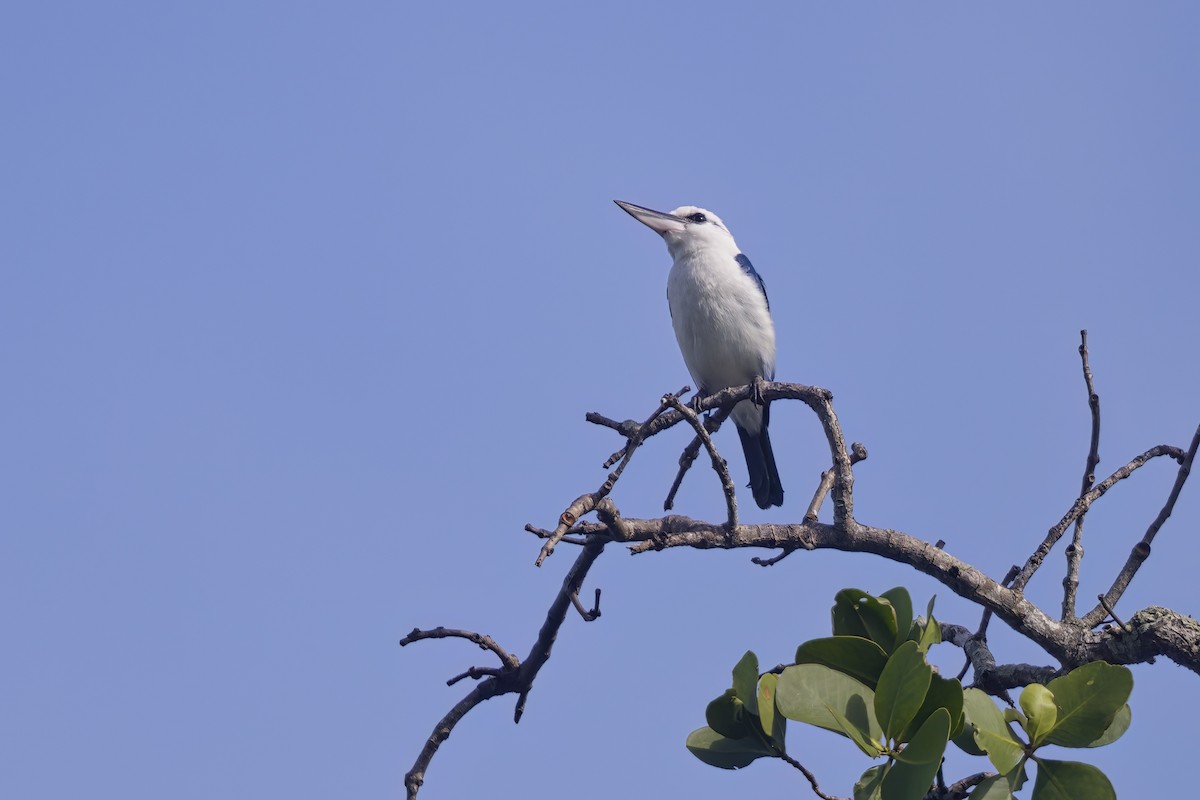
(872, 683)
(1085, 708)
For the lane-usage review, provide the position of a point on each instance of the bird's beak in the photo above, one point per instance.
(656, 221)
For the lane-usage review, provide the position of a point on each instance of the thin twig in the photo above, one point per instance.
(858, 452)
(588, 616)
(475, 673)
(1111, 612)
(812, 779)
(485, 642)
(584, 504)
(1141, 551)
(719, 464)
(1075, 549)
(508, 681)
(1083, 504)
(773, 560)
(542, 533)
(712, 423)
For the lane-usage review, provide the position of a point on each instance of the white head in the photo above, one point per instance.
(686, 229)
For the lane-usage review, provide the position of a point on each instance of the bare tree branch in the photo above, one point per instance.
(586, 503)
(1075, 549)
(1081, 506)
(812, 779)
(484, 642)
(981, 633)
(719, 465)
(1150, 632)
(512, 679)
(1070, 644)
(1141, 551)
(858, 452)
(989, 676)
(712, 424)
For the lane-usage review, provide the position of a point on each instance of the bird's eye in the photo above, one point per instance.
(697, 217)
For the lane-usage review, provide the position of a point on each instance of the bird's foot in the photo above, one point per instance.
(757, 387)
(695, 400)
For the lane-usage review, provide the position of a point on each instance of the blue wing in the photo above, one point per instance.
(748, 268)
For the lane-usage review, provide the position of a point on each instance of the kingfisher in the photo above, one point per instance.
(722, 321)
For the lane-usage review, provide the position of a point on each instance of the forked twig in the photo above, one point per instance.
(1141, 550)
(719, 464)
(1084, 503)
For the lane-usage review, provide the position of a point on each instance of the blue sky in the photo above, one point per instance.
(303, 305)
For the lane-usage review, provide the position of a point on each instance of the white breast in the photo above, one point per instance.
(722, 323)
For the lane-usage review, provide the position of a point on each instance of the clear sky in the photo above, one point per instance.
(302, 306)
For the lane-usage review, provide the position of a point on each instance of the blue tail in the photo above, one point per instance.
(760, 461)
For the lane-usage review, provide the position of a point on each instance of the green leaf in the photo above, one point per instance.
(931, 634)
(1070, 780)
(719, 751)
(944, 693)
(993, 788)
(992, 734)
(846, 619)
(857, 657)
(745, 681)
(773, 724)
(870, 785)
(726, 716)
(856, 734)
(1120, 724)
(912, 773)
(965, 739)
(1018, 776)
(902, 604)
(1040, 712)
(821, 696)
(1088, 699)
(901, 689)
(856, 613)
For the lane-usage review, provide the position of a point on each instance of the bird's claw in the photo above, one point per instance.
(757, 387)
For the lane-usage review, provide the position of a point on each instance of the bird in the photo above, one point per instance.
(722, 321)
